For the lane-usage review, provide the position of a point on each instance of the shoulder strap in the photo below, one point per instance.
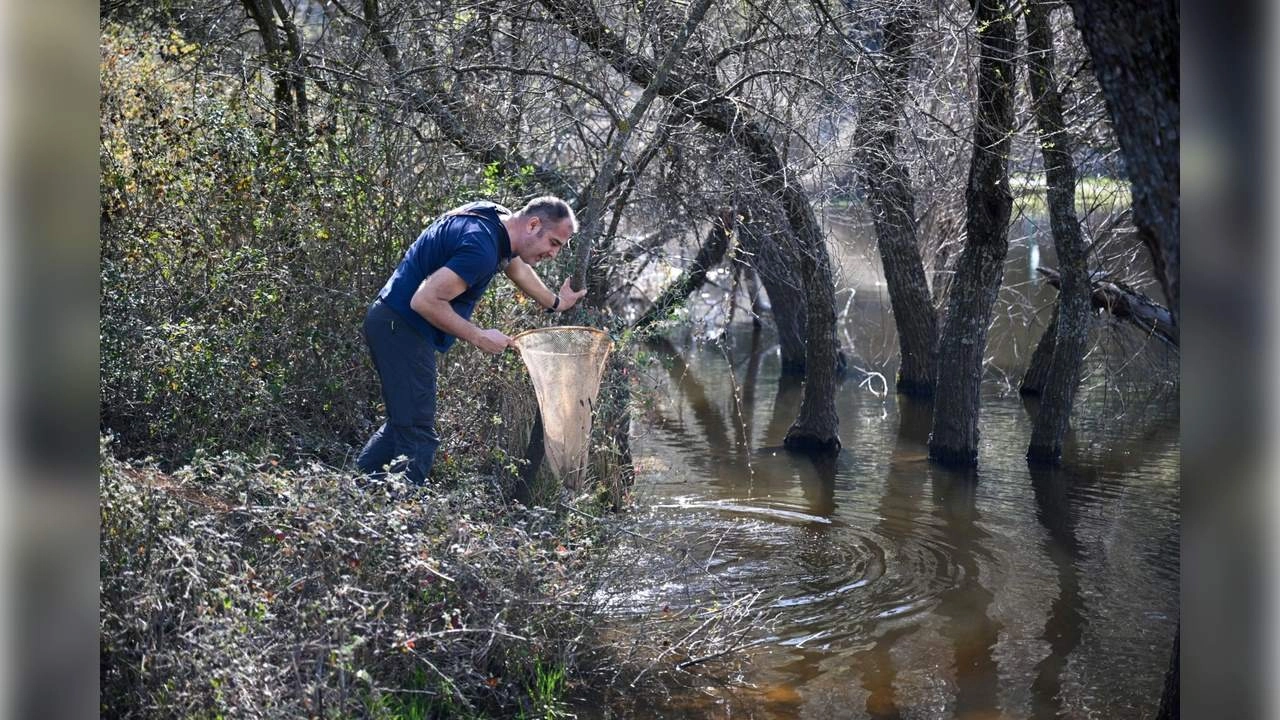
(502, 261)
(466, 211)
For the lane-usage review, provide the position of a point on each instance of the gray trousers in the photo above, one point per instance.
(406, 365)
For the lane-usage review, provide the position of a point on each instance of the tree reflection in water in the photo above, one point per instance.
(903, 590)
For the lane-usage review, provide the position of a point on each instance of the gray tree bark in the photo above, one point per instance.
(1134, 49)
(1071, 320)
(1170, 697)
(814, 431)
(771, 257)
(1116, 298)
(285, 61)
(980, 267)
(886, 183)
(1037, 374)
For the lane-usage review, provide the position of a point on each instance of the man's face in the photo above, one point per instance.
(543, 240)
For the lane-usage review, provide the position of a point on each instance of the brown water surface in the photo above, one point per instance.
(889, 587)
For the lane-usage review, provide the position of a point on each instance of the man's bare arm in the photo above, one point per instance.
(530, 284)
(431, 301)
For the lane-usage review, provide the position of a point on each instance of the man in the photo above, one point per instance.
(427, 304)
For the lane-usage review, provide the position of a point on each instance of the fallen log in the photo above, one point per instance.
(1125, 303)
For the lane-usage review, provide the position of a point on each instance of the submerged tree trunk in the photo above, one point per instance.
(1116, 298)
(1071, 320)
(1125, 303)
(1037, 374)
(980, 268)
(814, 431)
(1170, 705)
(772, 260)
(1134, 49)
(887, 185)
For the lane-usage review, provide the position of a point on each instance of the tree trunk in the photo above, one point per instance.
(1116, 298)
(771, 258)
(1170, 697)
(290, 108)
(614, 411)
(887, 185)
(1072, 318)
(815, 429)
(822, 352)
(980, 268)
(295, 64)
(534, 454)
(1134, 49)
(1037, 374)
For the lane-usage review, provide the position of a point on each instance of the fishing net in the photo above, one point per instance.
(566, 364)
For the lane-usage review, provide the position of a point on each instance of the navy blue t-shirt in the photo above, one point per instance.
(472, 247)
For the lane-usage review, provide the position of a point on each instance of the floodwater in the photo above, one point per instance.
(883, 586)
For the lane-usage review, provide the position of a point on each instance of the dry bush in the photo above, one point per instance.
(233, 588)
(239, 588)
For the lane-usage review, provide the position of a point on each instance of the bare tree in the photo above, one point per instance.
(1071, 318)
(448, 110)
(980, 268)
(886, 182)
(606, 175)
(712, 108)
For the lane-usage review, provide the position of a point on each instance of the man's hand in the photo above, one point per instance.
(492, 341)
(568, 296)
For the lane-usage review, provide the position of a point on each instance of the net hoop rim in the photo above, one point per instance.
(533, 331)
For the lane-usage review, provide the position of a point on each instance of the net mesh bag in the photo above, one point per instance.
(566, 364)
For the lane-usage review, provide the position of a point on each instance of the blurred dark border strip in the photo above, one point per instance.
(1226, 590)
(51, 59)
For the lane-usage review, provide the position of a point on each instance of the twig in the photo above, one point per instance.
(726, 651)
(459, 631)
(620, 529)
(438, 574)
(671, 647)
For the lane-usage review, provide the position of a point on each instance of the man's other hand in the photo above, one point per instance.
(568, 296)
(492, 341)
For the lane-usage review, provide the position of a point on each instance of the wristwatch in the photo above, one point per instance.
(554, 305)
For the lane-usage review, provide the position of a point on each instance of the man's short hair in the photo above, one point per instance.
(551, 209)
